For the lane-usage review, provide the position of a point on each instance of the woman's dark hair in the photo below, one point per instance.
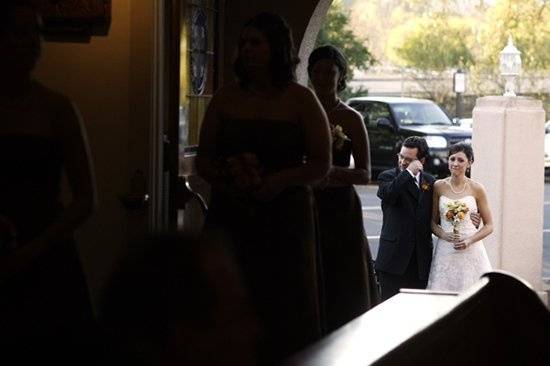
(283, 59)
(332, 53)
(462, 147)
(419, 143)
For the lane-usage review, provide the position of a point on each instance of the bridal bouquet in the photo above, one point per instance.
(338, 136)
(456, 212)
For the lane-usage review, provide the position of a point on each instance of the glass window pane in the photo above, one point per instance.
(197, 79)
(375, 111)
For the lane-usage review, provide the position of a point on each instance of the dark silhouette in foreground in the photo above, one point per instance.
(176, 300)
(44, 300)
(264, 141)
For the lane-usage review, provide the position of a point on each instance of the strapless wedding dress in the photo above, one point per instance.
(456, 270)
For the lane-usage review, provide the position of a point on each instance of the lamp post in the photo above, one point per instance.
(510, 67)
(459, 87)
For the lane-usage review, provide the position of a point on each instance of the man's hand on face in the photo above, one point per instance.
(415, 167)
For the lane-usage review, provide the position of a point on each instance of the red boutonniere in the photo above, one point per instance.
(425, 186)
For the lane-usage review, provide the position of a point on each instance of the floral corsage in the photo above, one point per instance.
(338, 136)
(425, 186)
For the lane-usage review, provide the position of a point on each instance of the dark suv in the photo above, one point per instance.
(389, 120)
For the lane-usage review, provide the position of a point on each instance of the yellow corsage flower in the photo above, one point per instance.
(338, 136)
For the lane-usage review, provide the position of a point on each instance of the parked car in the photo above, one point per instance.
(465, 122)
(389, 120)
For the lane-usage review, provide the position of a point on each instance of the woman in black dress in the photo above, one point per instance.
(44, 299)
(264, 140)
(349, 283)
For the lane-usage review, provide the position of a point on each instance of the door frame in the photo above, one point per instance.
(163, 165)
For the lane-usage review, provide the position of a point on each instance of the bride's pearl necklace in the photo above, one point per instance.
(458, 192)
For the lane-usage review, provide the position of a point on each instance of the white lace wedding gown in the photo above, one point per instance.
(456, 270)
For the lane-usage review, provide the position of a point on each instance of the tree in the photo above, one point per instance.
(528, 22)
(431, 48)
(376, 18)
(336, 31)
(433, 44)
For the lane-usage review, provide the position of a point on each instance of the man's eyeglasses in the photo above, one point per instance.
(404, 159)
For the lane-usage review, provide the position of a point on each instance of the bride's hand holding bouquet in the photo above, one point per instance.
(456, 213)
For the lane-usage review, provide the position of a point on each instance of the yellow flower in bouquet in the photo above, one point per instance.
(338, 136)
(456, 212)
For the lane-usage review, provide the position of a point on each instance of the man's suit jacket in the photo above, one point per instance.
(407, 213)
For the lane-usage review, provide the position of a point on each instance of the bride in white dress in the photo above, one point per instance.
(459, 257)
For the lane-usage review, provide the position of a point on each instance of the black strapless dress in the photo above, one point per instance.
(274, 242)
(350, 286)
(50, 301)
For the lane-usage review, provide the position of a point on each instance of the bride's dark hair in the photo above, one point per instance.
(462, 147)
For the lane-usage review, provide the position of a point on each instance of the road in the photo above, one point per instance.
(372, 219)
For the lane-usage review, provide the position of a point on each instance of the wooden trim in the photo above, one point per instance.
(157, 204)
(172, 75)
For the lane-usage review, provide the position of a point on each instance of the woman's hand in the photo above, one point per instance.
(245, 172)
(323, 183)
(462, 244)
(450, 237)
(268, 190)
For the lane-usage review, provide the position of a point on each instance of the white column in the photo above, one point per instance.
(508, 142)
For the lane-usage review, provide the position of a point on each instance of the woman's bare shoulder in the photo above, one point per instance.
(51, 97)
(296, 90)
(228, 91)
(227, 96)
(350, 114)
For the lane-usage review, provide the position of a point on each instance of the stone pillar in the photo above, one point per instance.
(508, 142)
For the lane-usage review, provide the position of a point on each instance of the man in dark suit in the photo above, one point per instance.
(405, 250)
